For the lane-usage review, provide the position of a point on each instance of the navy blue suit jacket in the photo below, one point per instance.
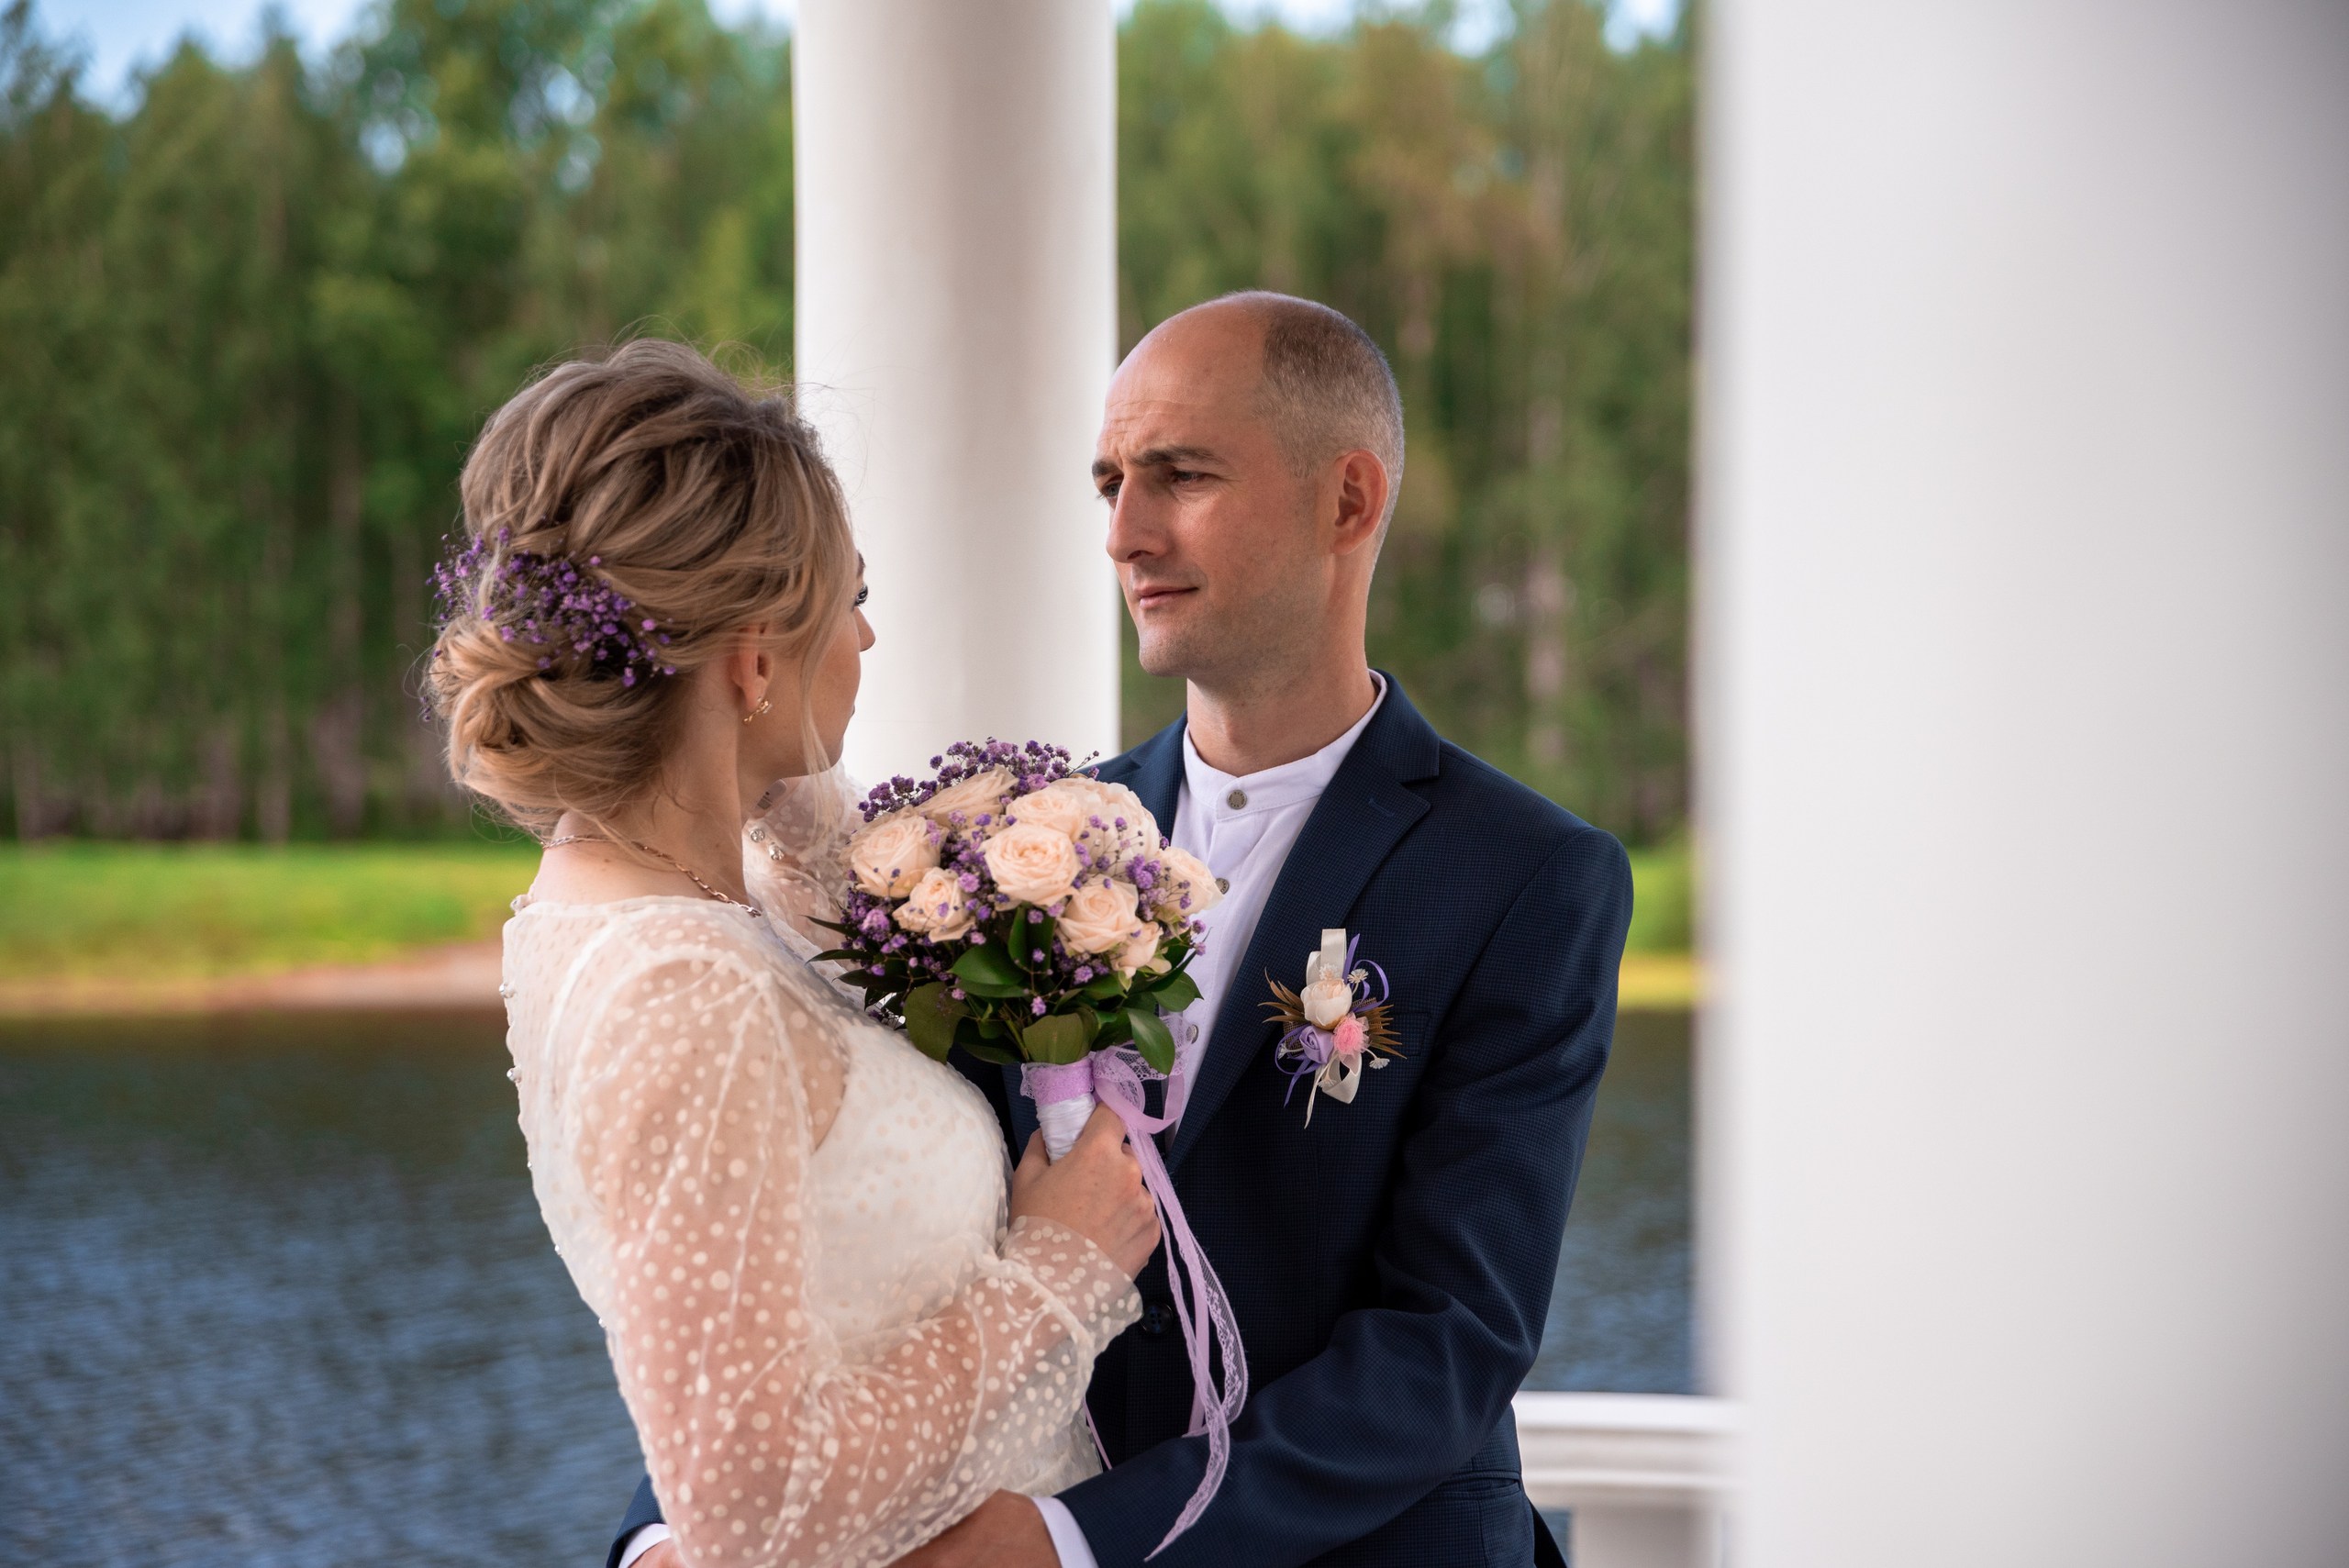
(1391, 1264)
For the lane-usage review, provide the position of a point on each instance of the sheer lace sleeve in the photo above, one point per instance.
(795, 854)
(700, 1099)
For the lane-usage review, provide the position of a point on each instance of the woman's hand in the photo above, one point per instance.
(1096, 1190)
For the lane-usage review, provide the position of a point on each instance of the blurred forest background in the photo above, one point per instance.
(255, 315)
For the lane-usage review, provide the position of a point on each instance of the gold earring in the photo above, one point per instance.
(764, 706)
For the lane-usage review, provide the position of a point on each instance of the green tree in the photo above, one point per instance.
(1516, 230)
(261, 317)
(256, 318)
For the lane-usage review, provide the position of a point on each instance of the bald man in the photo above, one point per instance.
(1390, 1264)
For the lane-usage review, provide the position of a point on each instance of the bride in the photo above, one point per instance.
(837, 1325)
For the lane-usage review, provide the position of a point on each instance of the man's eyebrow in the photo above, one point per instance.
(1155, 457)
(1170, 457)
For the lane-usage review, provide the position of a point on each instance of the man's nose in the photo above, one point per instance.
(1130, 534)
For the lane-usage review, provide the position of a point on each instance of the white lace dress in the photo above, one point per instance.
(790, 1225)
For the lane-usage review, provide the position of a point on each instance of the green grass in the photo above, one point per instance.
(1664, 900)
(168, 911)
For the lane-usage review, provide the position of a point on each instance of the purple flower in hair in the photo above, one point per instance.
(548, 602)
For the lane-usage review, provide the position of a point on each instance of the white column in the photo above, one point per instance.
(956, 325)
(2025, 721)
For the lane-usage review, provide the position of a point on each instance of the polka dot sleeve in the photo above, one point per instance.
(768, 1441)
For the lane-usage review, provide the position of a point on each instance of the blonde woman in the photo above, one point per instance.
(839, 1321)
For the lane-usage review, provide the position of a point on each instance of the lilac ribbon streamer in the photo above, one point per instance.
(1117, 1080)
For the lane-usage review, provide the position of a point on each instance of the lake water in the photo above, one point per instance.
(274, 1294)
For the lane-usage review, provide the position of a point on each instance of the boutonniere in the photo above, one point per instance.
(1333, 1029)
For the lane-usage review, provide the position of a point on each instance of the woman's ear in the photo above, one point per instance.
(751, 668)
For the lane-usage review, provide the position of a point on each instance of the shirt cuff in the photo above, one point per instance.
(1068, 1541)
(651, 1536)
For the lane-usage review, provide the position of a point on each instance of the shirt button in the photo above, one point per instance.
(1236, 799)
(1224, 884)
(1194, 1031)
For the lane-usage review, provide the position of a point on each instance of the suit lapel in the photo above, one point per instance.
(1153, 771)
(1359, 820)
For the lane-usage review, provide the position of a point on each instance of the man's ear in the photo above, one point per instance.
(1362, 499)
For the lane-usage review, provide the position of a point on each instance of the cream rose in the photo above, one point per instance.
(889, 856)
(1184, 876)
(1327, 999)
(1125, 803)
(936, 908)
(1098, 917)
(1139, 952)
(1032, 863)
(1110, 805)
(980, 794)
(1062, 807)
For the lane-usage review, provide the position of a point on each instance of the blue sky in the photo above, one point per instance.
(122, 34)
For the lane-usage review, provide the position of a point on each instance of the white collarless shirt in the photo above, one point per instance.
(1242, 826)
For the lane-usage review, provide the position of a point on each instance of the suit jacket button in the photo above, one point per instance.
(1155, 1320)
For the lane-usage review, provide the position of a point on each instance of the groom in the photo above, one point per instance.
(1390, 1264)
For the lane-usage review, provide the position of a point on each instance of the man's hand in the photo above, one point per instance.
(1006, 1531)
(660, 1555)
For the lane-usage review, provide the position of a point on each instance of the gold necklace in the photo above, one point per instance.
(659, 855)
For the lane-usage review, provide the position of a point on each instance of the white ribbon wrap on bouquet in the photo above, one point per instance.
(1064, 1101)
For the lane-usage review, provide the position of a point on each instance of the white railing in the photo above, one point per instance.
(1646, 1474)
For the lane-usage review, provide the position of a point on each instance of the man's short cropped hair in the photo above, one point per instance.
(1327, 387)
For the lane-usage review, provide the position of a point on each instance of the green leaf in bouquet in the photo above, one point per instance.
(987, 971)
(980, 1037)
(1030, 932)
(1060, 1038)
(1152, 1038)
(1105, 986)
(1175, 992)
(1114, 1030)
(931, 1013)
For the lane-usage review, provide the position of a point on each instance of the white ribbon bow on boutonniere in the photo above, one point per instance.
(1333, 1029)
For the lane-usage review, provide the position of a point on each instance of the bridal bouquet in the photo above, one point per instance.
(1026, 912)
(1033, 916)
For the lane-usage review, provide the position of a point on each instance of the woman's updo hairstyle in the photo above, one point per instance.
(624, 515)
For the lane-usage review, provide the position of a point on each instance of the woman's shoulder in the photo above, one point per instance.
(594, 974)
(627, 936)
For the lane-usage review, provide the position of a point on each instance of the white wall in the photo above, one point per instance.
(956, 328)
(2025, 758)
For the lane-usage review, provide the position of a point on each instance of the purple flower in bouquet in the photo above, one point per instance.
(1021, 908)
(1029, 914)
